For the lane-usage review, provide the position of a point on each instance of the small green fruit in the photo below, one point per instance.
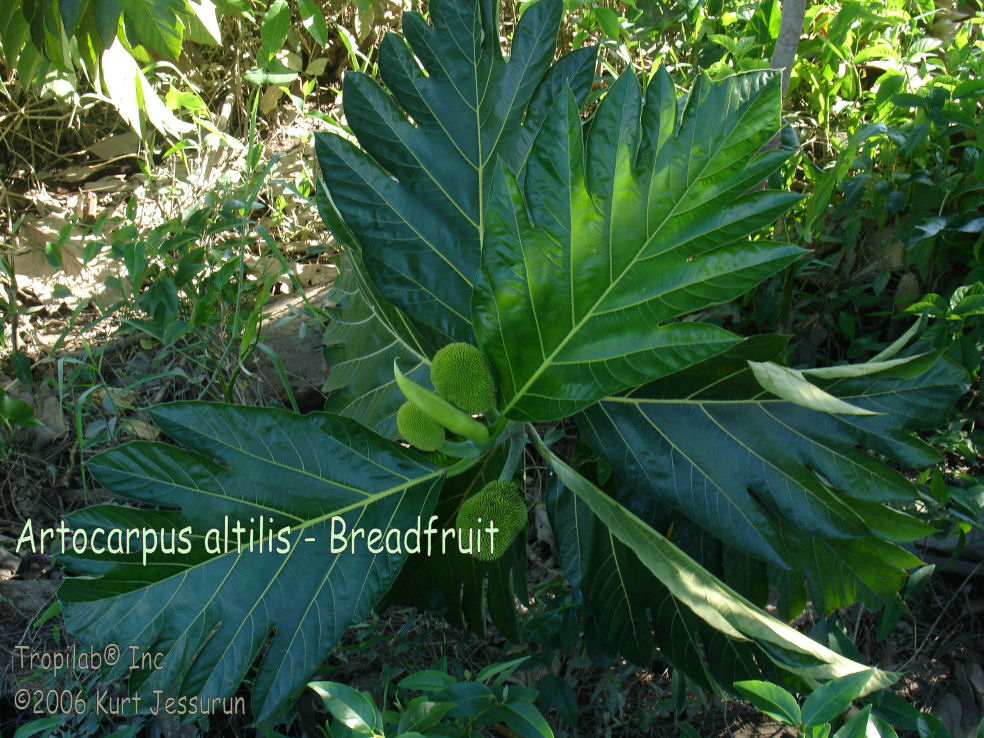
(461, 375)
(418, 428)
(436, 407)
(498, 503)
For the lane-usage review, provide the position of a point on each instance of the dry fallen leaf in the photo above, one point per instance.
(48, 410)
(270, 98)
(9, 564)
(110, 399)
(115, 146)
(312, 275)
(143, 431)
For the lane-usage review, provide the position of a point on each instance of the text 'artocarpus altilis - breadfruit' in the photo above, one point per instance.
(460, 373)
(418, 428)
(498, 503)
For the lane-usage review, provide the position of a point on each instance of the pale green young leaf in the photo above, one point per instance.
(898, 344)
(790, 384)
(770, 699)
(857, 370)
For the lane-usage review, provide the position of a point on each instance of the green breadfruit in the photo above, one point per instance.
(461, 375)
(418, 428)
(499, 503)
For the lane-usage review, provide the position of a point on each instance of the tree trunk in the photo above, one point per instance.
(790, 28)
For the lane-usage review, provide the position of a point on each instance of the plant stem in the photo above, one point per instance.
(517, 445)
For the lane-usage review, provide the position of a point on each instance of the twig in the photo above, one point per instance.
(925, 640)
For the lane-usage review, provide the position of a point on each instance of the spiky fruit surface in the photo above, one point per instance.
(461, 375)
(418, 428)
(499, 503)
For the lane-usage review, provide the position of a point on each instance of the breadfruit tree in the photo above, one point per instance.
(683, 467)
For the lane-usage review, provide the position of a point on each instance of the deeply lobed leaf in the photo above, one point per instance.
(211, 615)
(707, 597)
(588, 264)
(414, 197)
(793, 486)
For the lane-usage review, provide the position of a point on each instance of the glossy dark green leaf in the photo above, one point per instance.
(13, 31)
(428, 680)
(616, 588)
(17, 47)
(789, 485)
(587, 266)
(705, 595)
(857, 726)
(841, 571)
(71, 13)
(526, 720)
(470, 699)
(422, 715)
(352, 708)
(106, 19)
(415, 194)
(213, 614)
(36, 12)
(557, 694)
(154, 24)
(628, 609)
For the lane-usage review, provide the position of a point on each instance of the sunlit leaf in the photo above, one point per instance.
(587, 266)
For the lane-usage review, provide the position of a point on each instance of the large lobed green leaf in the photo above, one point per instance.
(212, 615)
(414, 196)
(629, 611)
(718, 605)
(793, 486)
(588, 264)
